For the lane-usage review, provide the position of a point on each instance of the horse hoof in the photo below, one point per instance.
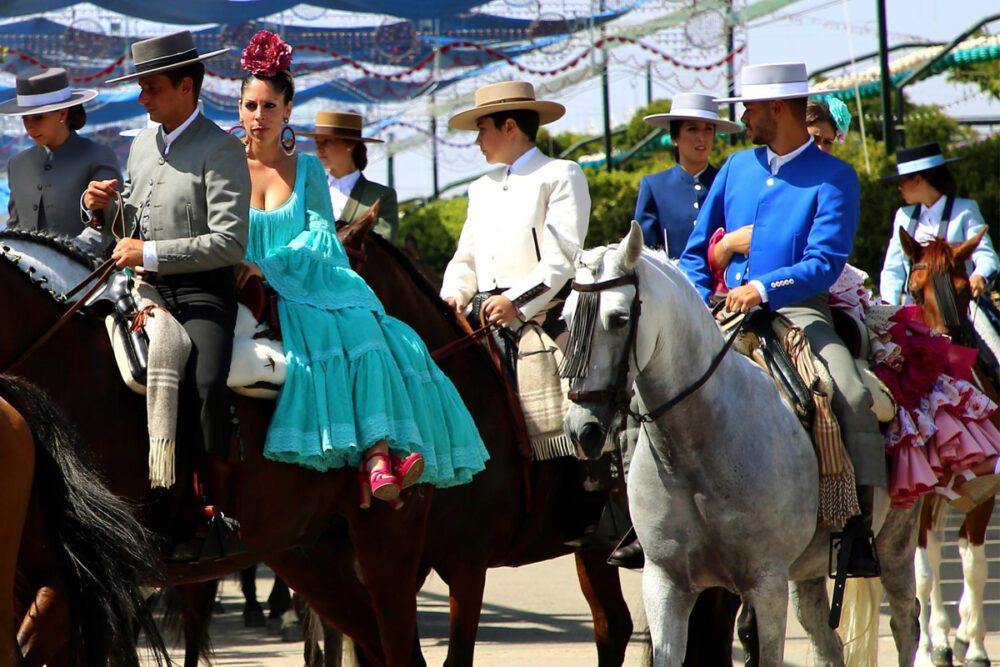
(274, 625)
(960, 648)
(942, 657)
(254, 618)
(978, 662)
(291, 633)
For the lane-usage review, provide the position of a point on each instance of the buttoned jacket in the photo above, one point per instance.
(965, 222)
(505, 242)
(804, 217)
(45, 193)
(363, 195)
(668, 206)
(193, 201)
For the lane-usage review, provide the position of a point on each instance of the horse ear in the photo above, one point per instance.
(965, 250)
(568, 249)
(909, 244)
(630, 248)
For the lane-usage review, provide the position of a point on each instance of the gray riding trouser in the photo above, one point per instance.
(852, 401)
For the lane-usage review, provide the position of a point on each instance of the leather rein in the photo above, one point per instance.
(101, 274)
(618, 395)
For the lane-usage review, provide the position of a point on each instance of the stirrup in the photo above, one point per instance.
(384, 484)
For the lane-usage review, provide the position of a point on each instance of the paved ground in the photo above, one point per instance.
(533, 615)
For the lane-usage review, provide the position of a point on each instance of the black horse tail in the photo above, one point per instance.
(105, 552)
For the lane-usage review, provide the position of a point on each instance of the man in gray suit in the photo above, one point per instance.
(188, 194)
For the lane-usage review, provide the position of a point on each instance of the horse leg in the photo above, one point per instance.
(748, 636)
(710, 628)
(253, 613)
(612, 622)
(939, 625)
(17, 461)
(667, 610)
(769, 598)
(812, 606)
(971, 631)
(465, 603)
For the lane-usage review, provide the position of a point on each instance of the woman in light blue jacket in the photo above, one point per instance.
(933, 211)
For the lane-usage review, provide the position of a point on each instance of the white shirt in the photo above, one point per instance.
(775, 161)
(340, 190)
(929, 221)
(518, 164)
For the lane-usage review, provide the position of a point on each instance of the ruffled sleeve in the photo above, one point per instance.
(313, 268)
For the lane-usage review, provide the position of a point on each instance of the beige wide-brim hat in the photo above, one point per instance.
(44, 92)
(694, 106)
(505, 96)
(774, 81)
(163, 53)
(339, 125)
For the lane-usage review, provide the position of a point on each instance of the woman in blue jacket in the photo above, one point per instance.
(933, 211)
(669, 200)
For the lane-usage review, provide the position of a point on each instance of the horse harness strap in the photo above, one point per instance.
(619, 392)
(942, 232)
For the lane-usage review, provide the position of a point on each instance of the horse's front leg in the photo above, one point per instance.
(769, 599)
(612, 621)
(812, 606)
(934, 647)
(668, 607)
(971, 631)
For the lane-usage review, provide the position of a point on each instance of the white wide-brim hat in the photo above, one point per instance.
(44, 92)
(694, 106)
(506, 96)
(775, 81)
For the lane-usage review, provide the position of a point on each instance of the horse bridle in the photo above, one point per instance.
(618, 395)
(944, 295)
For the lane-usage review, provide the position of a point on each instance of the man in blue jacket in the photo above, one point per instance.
(790, 212)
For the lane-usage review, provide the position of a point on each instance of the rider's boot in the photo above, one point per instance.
(863, 561)
(223, 476)
(629, 552)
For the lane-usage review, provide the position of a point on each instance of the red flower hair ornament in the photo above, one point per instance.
(266, 55)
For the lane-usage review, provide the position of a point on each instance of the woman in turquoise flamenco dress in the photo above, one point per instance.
(361, 388)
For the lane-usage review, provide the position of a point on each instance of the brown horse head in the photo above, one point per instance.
(938, 280)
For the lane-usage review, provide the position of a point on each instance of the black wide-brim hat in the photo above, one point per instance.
(919, 158)
(163, 53)
(44, 92)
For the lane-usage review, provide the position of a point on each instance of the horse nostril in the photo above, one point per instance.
(592, 439)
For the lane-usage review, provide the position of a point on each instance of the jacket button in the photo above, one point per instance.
(48, 166)
(151, 182)
(697, 186)
(161, 160)
(769, 181)
(696, 205)
(34, 207)
(39, 186)
(737, 276)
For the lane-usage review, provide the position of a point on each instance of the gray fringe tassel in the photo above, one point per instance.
(577, 357)
(543, 449)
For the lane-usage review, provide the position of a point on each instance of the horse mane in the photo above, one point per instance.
(938, 256)
(419, 279)
(59, 243)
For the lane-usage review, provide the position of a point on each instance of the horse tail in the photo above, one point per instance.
(104, 551)
(859, 624)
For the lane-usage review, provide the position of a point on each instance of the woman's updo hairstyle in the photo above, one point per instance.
(76, 117)
(360, 155)
(269, 58)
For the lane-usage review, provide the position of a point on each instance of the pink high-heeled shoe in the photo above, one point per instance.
(384, 484)
(407, 469)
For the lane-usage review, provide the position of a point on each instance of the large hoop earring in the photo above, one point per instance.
(287, 140)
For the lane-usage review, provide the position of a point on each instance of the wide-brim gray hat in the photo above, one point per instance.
(775, 81)
(44, 92)
(163, 53)
(694, 106)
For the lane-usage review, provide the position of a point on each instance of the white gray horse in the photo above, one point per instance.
(723, 486)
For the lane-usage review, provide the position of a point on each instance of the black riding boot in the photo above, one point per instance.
(864, 560)
(629, 553)
(222, 479)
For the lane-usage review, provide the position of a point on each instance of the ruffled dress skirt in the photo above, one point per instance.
(354, 374)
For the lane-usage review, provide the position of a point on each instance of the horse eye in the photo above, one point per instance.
(618, 321)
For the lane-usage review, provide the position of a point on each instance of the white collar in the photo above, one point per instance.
(776, 161)
(172, 136)
(934, 211)
(346, 183)
(519, 163)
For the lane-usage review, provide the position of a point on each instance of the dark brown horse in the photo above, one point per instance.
(70, 587)
(284, 508)
(939, 283)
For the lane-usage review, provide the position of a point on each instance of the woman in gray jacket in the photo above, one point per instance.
(46, 180)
